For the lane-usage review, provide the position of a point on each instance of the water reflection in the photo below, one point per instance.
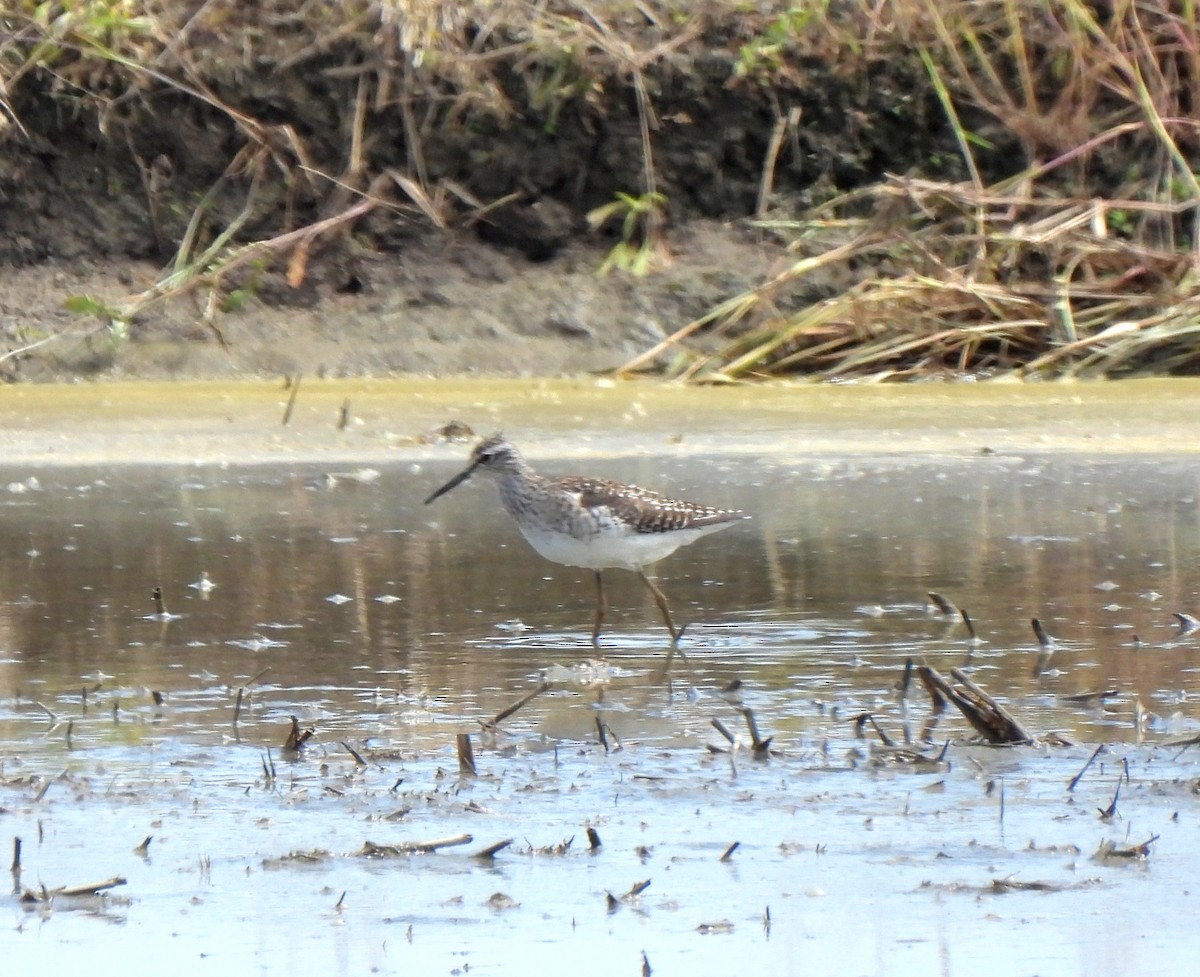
(344, 596)
(388, 628)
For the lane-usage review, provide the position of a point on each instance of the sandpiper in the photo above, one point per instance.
(592, 522)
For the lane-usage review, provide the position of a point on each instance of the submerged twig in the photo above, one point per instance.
(1110, 849)
(491, 851)
(372, 850)
(45, 895)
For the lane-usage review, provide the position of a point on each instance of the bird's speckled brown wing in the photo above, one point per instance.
(642, 510)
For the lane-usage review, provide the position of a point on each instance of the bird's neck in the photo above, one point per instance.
(518, 487)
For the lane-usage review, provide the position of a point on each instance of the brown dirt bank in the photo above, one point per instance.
(453, 305)
(369, 186)
(137, 134)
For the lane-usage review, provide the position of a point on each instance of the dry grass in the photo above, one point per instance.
(1068, 247)
(1081, 261)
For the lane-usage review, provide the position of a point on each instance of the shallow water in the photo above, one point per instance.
(389, 627)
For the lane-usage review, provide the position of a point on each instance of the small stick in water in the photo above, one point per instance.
(1079, 776)
(602, 733)
(466, 755)
(728, 854)
(505, 713)
(294, 383)
(88, 889)
(758, 745)
(1110, 812)
(944, 606)
(490, 851)
(1041, 634)
(966, 618)
(372, 850)
(344, 415)
(720, 728)
(296, 737)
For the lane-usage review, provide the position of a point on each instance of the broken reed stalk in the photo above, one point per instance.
(86, 889)
(1074, 782)
(294, 384)
(466, 755)
(1042, 635)
(372, 850)
(268, 765)
(602, 731)
(491, 851)
(883, 737)
(966, 619)
(296, 737)
(944, 606)
(721, 728)
(503, 714)
(987, 716)
(934, 690)
(1110, 812)
(1008, 727)
(759, 746)
(635, 890)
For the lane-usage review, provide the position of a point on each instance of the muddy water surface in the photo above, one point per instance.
(388, 628)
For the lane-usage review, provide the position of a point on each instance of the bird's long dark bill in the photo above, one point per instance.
(453, 483)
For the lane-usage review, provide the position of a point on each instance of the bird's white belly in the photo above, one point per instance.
(630, 551)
